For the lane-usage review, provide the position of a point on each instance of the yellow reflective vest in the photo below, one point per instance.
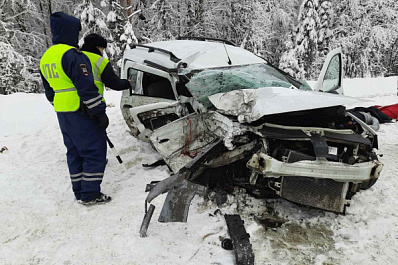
(98, 64)
(66, 98)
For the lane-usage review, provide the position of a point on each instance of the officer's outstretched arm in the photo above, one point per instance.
(111, 80)
(78, 68)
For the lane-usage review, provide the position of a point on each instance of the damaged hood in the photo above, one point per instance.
(250, 105)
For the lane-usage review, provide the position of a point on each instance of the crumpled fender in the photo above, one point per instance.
(165, 185)
(179, 197)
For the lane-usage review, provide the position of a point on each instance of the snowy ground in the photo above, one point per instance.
(40, 222)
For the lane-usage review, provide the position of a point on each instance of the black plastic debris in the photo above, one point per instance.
(240, 240)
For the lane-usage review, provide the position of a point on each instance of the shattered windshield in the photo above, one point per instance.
(213, 81)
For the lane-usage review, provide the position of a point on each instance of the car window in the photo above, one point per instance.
(213, 81)
(331, 82)
(148, 84)
(157, 86)
(132, 75)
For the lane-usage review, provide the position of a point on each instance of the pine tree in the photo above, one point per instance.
(192, 24)
(325, 13)
(272, 24)
(311, 40)
(290, 63)
(94, 20)
(307, 34)
(163, 21)
(122, 31)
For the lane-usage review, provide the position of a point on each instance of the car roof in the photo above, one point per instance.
(195, 54)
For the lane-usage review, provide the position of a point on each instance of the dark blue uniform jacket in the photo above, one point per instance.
(65, 30)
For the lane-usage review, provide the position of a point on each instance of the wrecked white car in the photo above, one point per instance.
(222, 117)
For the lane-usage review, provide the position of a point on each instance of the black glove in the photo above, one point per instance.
(102, 120)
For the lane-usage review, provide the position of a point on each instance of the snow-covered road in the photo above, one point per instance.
(41, 223)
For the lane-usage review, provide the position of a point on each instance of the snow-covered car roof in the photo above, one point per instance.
(196, 54)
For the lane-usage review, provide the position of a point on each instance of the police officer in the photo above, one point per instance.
(93, 47)
(69, 85)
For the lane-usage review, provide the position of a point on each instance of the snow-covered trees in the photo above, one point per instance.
(294, 34)
(119, 21)
(162, 21)
(19, 46)
(111, 19)
(94, 20)
(310, 41)
(367, 31)
(17, 71)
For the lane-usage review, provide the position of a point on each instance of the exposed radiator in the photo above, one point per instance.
(295, 156)
(324, 194)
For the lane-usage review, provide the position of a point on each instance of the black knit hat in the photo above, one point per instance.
(95, 40)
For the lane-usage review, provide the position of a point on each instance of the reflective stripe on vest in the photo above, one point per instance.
(98, 64)
(66, 98)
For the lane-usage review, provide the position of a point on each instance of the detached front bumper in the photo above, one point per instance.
(320, 184)
(321, 169)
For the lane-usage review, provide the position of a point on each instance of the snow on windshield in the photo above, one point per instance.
(210, 82)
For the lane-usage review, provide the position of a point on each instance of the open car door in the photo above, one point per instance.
(151, 102)
(331, 78)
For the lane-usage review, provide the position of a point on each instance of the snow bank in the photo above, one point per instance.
(23, 113)
(368, 87)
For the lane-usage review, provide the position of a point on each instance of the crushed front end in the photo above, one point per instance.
(320, 165)
(317, 167)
